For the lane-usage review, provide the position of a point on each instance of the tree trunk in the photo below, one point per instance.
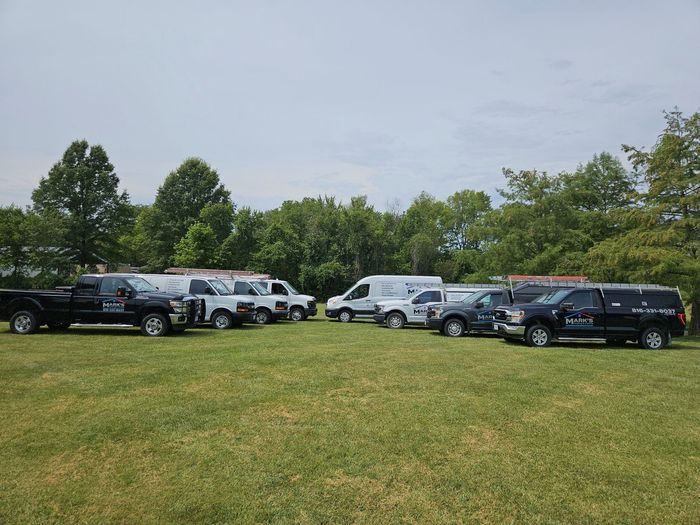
(694, 324)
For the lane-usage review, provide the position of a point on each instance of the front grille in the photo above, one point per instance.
(377, 309)
(499, 315)
(430, 313)
(311, 304)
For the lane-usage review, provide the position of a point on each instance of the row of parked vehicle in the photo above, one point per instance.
(536, 312)
(158, 303)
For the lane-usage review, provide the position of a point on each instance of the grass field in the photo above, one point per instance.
(322, 422)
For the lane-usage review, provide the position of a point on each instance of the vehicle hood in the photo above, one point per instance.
(304, 297)
(334, 299)
(164, 296)
(530, 307)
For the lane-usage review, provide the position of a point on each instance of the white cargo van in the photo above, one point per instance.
(268, 307)
(300, 306)
(360, 299)
(223, 309)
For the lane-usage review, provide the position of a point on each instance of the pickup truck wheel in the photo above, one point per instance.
(538, 335)
(23, 322)
(653, 339)
(394, 320)
(297, 314)
(222, 320)
(345, 316)
(154, 325)
(262, 316)
(58, 326)
(453, 328)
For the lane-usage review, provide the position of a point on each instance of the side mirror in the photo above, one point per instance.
(122, 291)
(208, 291)
(479, 305)
(567, 306)
(415, 300)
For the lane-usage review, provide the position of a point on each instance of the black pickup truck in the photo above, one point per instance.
(647, 314)
(101, 299)
(475, 312)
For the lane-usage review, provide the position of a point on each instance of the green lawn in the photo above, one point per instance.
(322, 422)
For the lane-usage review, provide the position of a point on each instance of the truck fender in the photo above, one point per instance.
(543, 320)
(24, 303)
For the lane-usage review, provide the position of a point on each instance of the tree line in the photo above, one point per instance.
(601, 220)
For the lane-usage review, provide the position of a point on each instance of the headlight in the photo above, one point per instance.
(515, 316)
(280, 305)
(243, 307)
(179, 307)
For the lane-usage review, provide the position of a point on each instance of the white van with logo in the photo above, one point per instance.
(300, 306)
(268, 307)
(360, 299)
(223, 309)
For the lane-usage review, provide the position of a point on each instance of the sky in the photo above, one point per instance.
(287, 99)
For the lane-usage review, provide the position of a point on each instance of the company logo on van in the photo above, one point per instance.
(579, 319)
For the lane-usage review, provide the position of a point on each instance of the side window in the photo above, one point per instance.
(360, 292)
(433, 296)
(278, 289)
(423, 298)
(496, 299)
(86, 286)
(582, 300)
(486, 300)
(241, 288)
(197, 287)
(109, 285)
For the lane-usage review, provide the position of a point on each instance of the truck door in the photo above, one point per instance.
(484, 313)
(360, 301)
(83, 301)
(202, 289)
(112, 308)
(583, 316)
(419, 306)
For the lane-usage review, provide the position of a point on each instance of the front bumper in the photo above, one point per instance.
(509, 330)
(379, 318)
(331, 313)
(310, 311)
(180, 320)
(434, 322)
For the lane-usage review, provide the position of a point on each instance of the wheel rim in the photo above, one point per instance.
(154, 326)
(261, 317)
(395, 321)
(454, 329)
(344, 316)
(23, 323)
(296, 315)
(539, 337)
(221, 321)
(654, 340)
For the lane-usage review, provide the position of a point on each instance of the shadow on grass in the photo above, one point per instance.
(118, 332)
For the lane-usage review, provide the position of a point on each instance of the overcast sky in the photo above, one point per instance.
(287, 99)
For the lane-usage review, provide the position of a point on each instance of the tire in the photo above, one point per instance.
(155, 325)
(297, 314)
(538, 336)
(58, 326)
(653, 338)
(453, 328)
(395, 320)
(345, 316)
(263, 316)
(23, 322)
(222, 320)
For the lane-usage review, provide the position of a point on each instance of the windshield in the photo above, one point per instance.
(473, 298)
(553, 297)
(470, 297)
(291, 288)
(260, 288)
(219, 287)
(140, 285)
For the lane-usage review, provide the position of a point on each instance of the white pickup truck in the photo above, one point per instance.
(301, 306)
(396, 313)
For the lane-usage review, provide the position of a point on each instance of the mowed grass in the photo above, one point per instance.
(322, 422)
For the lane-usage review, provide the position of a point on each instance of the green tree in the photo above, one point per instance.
(178, 204)
(236, 251)
(83, 189)
(663, 241)
(464, 209)
(219, 217)
(197, 248)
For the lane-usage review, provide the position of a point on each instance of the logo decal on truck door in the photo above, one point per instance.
(112, 305)
(579, 319)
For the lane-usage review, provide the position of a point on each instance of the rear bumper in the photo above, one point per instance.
(509, 330)
(379, 318)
